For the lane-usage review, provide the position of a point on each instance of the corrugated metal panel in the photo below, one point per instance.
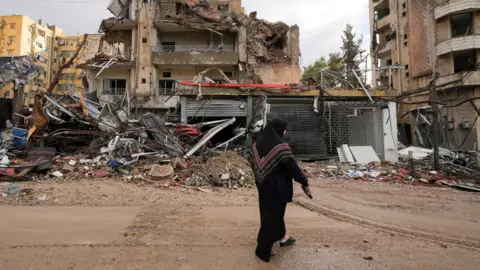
(217, 107)
(306, 130)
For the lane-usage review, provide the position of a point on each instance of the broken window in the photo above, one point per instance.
(464, 61)
(12, 26)
(462, 24)
(167, 87)
(67, 54)
(180, 8)
(168, 46)
(229, 74)
(68, 76)
(381, 13)
(11, 39)
(167, 74)
(115, 87)
(223, 7)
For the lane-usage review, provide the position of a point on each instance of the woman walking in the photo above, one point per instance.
(274, 168)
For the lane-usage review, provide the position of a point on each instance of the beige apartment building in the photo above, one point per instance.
(72, 78)
(414, 40)
(47, 48)
(22, 36)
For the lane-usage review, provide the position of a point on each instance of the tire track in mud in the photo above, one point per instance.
(341, 216)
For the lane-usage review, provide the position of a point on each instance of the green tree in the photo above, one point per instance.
(352, 54)
(331, 67)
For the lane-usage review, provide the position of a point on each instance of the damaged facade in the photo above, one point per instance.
(22, 36)
(158, 44)
(418, 42)
(73, 78)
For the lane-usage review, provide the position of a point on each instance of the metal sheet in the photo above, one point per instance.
(341, 155)
(364, 154)
(217, 107)
(159, 131)
(306, 130)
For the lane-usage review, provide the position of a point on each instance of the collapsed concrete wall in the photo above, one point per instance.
(260, 43)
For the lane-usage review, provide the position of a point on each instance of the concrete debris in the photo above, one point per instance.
(57, 174)
(179, 163)
(222, 170)
(18, 68)
(390, 173)
(161, 171)
(66, 169)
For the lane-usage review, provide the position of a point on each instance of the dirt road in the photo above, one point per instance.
(111, 225)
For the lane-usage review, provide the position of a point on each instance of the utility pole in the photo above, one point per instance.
(435, 125)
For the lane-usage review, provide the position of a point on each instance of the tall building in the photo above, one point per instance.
(22, 36)
(414, 42)
(389, 50)
(71, 78)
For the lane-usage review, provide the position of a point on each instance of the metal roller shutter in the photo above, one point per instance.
(306, 130)
(217, 107)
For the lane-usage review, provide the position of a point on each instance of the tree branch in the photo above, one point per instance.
(56, 78)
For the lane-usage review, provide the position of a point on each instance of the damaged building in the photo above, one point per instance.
(158, 44)
(420, 44)
(196, 62)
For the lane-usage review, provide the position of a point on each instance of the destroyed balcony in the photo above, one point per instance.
(456, 44)
(115, 24)
(383, 24)
(456, 6)
(195, 55)
(467, 78)
(113, 91)
(380, 4)
(385, 49)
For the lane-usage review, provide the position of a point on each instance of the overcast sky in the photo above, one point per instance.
(321, 21)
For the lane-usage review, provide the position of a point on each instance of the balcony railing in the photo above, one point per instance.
(445, 7)
(166, 91)
(195, 48)
(114, 91)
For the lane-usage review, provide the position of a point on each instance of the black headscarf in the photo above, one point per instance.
(271, 136)
(270, 150)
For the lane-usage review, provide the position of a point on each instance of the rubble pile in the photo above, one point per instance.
(201, 15)
(86, 139)
(389, 173)
(267, 41)
(228, 170)
(13, 68)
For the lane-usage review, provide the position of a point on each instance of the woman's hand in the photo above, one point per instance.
(307, 191)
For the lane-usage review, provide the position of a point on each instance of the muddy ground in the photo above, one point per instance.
(109, 224)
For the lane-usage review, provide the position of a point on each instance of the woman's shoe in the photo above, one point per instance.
(290, 242)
